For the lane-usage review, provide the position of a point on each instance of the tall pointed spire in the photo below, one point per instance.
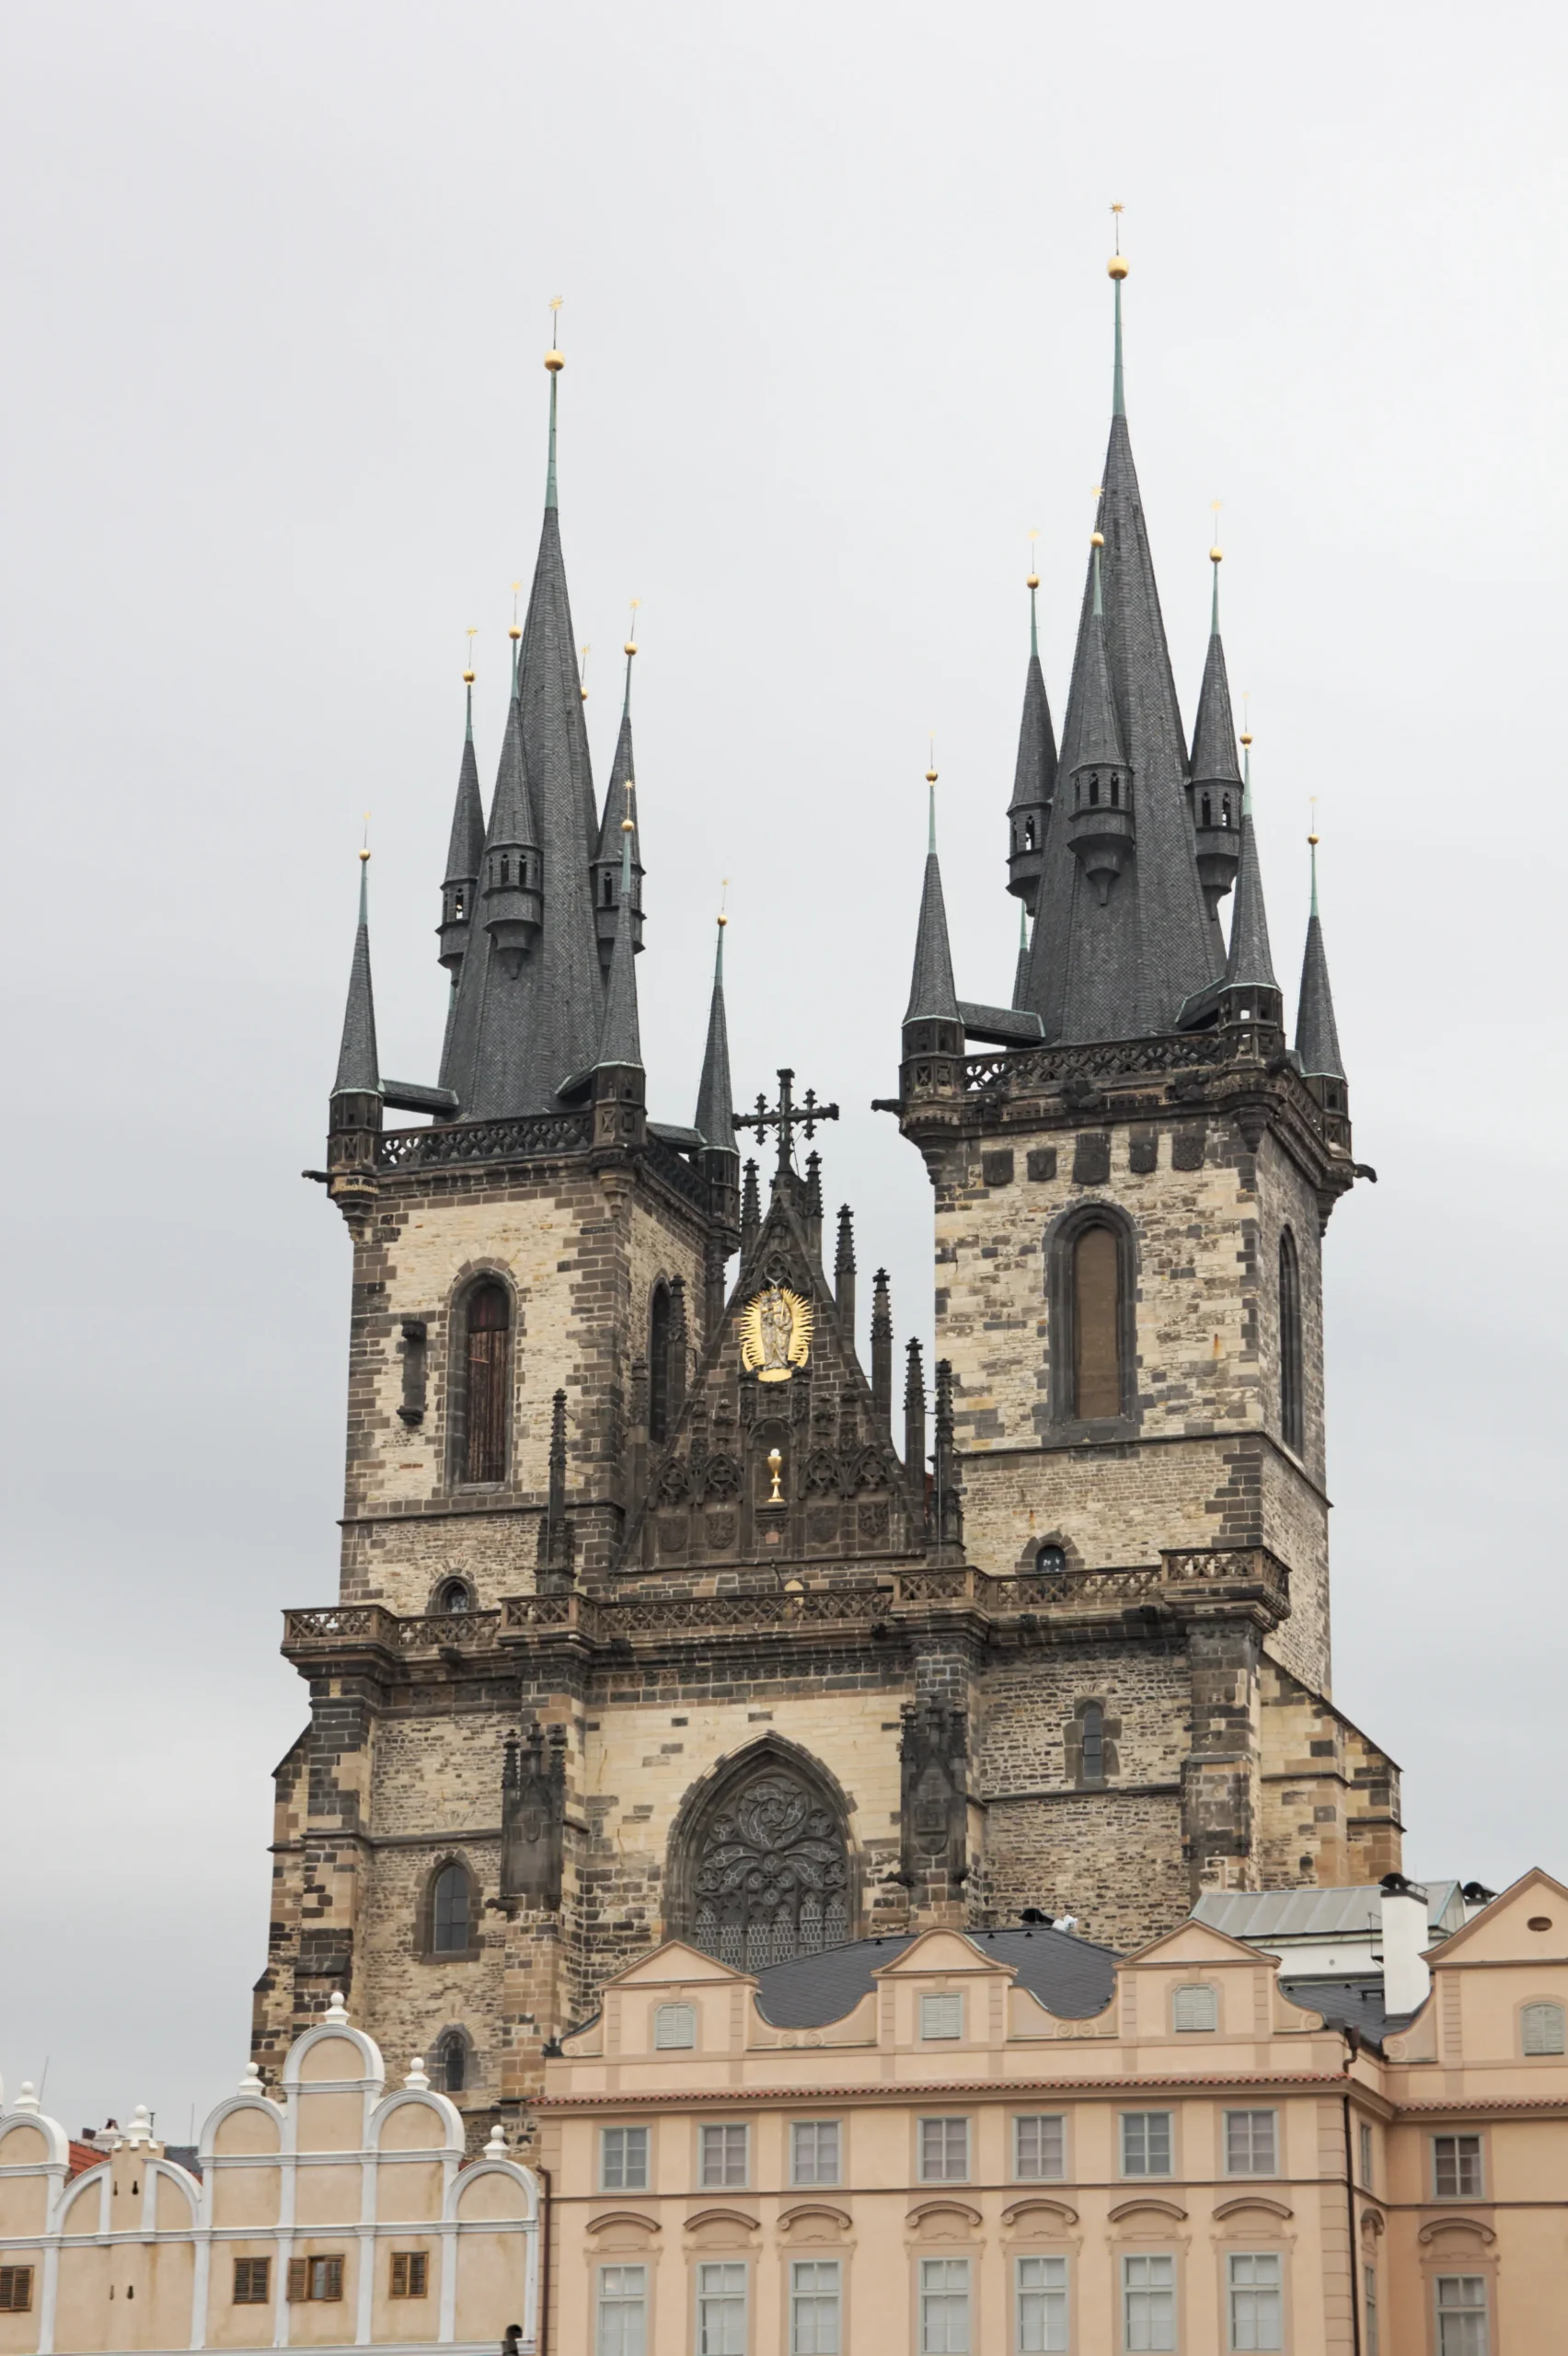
(1021, 971)
(1317, 1033)
(1122, 965)
(620, 801)
(932, 996)
(715, 1102)
(1117, 269)
(1249, 965)
(359, 1072)
(1214, 793)
(619, 1038)
(465, 850)
(529, 1011)
(1034, 775)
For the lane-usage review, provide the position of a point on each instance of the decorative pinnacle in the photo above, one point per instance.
(468, 674)
(1246, 716)
(582, 674)
(1096, 542)
(1217, 558)
(554, 361)
(1116, 268)
(1033, 584)
(515, 632)
(1312, 850)
(630, 647)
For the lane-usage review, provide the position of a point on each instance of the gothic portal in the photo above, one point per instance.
(659, 1614)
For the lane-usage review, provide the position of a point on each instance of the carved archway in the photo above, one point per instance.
(760, 1863)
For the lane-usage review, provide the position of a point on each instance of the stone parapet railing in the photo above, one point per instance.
(448, 1143)
(355, 1624)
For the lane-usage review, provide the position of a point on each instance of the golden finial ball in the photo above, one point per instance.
(1216, 556)
(1032, 582)
(628, 825)
(630, 646)
(930, 777)
(1097, 539)
(723, 921)
(554, 361)
(1117, 266)
(363, 856)
(1314, 840)
(1246, 735)
(468, 678)
(515, 632)
(584, 693)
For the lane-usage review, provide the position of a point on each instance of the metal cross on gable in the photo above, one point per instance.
(786, 1115)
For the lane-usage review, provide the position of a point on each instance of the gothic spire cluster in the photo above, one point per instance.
(1120, 845)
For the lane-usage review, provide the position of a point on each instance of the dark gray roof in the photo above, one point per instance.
(1034, 776)
(932, 997)
(1005, 1027)
(620, 803)
(1021, 971)
(1348, 2004)
(515, 1038)
(621, 1038)
(1249, 964)
(1214, 732)
(1317, 1033)
(466, 848)
(1126, 969)
(715, 1102)
(1072, 1978)
(359, 1071)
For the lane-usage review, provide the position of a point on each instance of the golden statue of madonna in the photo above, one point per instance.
(776, 1333)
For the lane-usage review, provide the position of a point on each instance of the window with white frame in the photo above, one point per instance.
(944, 2306)
(721, 2309)
(1040, 2299)
(675, 2029)
(1040, 2143)
(723, 2155)
(1541, 2029)
(1255, 2289)
(1456, 2167)
(1252, 2141)
(622, 2318)
(1461, 2315)
(1148, 2304)
(1146, 2142)
(815, 2307)
(942, 2016)
(1370, 2310)
(814, 2151)
(1195, 2007)
(623, 2159)
(944, 2151)
(1365, 2145)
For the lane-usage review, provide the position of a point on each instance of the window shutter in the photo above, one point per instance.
(489, 1318)
(419, 2268)
(1096, 1344)
(296, 2279)
(1543, 2026)
(1197, 2008)
(399, 2274)
(332, 2277)
(15, 2289)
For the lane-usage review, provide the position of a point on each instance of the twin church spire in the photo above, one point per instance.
(1122, 846)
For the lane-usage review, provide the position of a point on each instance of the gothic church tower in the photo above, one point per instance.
(657, 1616)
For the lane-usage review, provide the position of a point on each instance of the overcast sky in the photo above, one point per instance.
(838, 334)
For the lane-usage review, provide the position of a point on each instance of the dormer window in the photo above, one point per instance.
(1194, 2008)
(942, 2016)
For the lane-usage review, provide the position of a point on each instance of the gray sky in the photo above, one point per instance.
(838, 331)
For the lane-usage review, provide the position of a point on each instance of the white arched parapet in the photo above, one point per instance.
(515, 2172)
(522, 2180)
(370, 2083)
(447, 2111)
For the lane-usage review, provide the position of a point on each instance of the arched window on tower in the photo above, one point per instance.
(451, 2071)
(1092, 1720)
(488, 1327)
(1097, 1323)
(451, 1910)
(455, 1595)
(658, 1366)
(766, 1870)
(1291, 1419)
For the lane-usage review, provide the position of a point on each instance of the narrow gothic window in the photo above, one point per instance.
(658, 1366)
(1115, 793)
(1029, 835)
(484, 1451)
(1291, 1421)
(1208, 812)
(1093, 1724)
(771, 1873)
(451, 2062)
(450, 1915)
(456, 1596)
(1097, 1324)
(1094, 793)
(1051, 1560)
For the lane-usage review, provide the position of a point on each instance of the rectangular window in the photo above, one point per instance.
(1257, 2296)
(252, 2282)
(814, 2307)
(1249, 2143)
(1042, 2304)
(622, 2318)
(1369, 2309)
(814, 2151)
(15, 2289)
(623, 2159)
(942, 2016)
(316, 2278)
(944, 2151)
(944, 2306)
(411, 2273)
(675, 2029)
(1040, 2148)
(1146, 2142)
(1543, 2028)
(1148, 2303)
(1456, 2167)
(723, 2156)
(1461, 2315)
(721, 2310)
(1194, 2008)
(1366, 2155)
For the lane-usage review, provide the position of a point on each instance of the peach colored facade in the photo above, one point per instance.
(341, 2216)
(997, 2180)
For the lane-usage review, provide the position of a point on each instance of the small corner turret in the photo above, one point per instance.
(1214, 790)
(353, 1121)
(465, 852)
(1034, 778)
(1100, 833)
(620, 801)
(933, 1026)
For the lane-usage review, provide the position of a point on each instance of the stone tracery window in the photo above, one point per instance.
(769, 1873)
